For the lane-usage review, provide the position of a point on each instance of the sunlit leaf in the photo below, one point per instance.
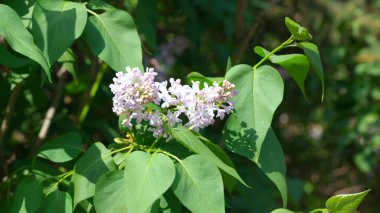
(56, 24)
(63, 148)
(198, 185)
(345, 203)
(297, 31)
(147, 178)
(189, 140)
(19, 38)
(95, 162)
(112, 36)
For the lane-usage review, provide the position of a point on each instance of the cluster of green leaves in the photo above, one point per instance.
(39, 39)
(142, 174)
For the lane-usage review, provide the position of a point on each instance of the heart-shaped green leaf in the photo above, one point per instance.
(147, 178)
(56, 24)
(111, 193)
(112, 36)
(259, 94)
(198, 185)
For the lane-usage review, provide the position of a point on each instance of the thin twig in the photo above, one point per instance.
(9, 112)
(51, 111)
(243, 46)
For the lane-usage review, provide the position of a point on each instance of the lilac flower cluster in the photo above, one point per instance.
(133, 90)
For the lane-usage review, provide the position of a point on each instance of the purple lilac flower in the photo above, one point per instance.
(133, 90)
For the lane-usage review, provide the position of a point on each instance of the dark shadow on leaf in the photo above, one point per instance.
(239, 138)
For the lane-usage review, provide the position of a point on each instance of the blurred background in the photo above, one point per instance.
(331, 147)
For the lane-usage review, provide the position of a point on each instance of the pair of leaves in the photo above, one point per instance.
(144, 179)
(195, 181)
(19, 38)
(311, 50)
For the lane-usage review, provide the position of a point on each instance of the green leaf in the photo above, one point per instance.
(111, 193)
(312, 52)
(259, 94)
(228, 180)
(345, 203)
(281, 211)
(229, 64)
(112, 36)
(95, 162)
(19, 38)
(63, 148)
(190, 141)
(196, 76)
(296, 65)
(58, 202)
(99, 5)
(68, 61)
(239, 138)
(147, 178)
(146, 17)
(24, 8)
(198, 185)
(10, 60)
(272, 163)
(56, 24)
(297, 31)
(28, 196)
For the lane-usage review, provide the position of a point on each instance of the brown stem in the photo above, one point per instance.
(51, 111)
(243, 46)
(9, 112)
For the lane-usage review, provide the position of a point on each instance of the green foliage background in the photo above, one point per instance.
(330, 147)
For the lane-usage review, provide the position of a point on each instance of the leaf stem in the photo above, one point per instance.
(320, 210)
(121, 149)
(170, 155)
(62, 177)
(154, 143)
(94, 89)
(285, 43)
(92, 12)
